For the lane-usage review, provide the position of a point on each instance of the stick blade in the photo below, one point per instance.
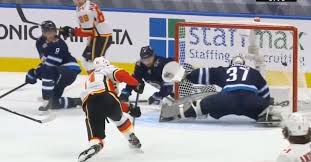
(50, 118)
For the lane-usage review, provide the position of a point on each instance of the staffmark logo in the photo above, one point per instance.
(161, 35)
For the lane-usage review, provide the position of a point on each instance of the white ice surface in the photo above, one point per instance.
(232, 139)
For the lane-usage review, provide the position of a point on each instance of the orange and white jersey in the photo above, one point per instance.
(92, 21)
(107, 79)
(296, 153)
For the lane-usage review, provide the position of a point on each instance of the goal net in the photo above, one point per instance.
(270, 48)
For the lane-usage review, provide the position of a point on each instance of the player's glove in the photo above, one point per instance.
(134, 111)
(31, 77)
(66, 31)
(139, 88)
(124, 97)
(155, 99)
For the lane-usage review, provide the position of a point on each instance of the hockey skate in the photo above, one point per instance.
(269, 120)
(44, 108)
(273, 115)
(134, 142)
(89, 153)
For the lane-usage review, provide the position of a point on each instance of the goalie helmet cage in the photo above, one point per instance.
(181, 30)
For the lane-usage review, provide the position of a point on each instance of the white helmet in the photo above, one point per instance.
(296, 125)
(101, 63)
(239, 59)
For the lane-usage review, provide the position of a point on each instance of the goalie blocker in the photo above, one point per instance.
(244, 92)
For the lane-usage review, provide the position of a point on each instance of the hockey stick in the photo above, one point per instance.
(136, 104)
(167, 97)
(191, 98)
(22, 15)
(140, 101)
(48, 119)
(13, 90)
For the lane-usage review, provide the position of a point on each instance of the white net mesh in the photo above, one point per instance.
(187, 88)
(272, 49)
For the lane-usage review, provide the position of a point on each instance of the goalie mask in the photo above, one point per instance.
(296, 125)
(101, 63)
(237, 60)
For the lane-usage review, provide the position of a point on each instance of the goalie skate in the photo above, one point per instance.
(274, 114)
(269, 121)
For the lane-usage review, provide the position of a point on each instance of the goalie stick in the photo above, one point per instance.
(46, 120)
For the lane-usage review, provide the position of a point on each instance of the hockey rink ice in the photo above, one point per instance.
(232, 139)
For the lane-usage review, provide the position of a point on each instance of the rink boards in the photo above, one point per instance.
(18, 51)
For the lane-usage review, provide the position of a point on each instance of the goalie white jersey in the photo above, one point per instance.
(296, 153)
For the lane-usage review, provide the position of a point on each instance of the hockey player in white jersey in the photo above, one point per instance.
(297, 131)
(92, 24)
(100, 101)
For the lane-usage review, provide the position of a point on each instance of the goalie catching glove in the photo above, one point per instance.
(173, 72)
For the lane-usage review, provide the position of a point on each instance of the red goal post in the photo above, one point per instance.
(248, 26)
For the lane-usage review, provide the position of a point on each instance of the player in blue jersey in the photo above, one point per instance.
(149, 68)
(57, 70)
(244, 92)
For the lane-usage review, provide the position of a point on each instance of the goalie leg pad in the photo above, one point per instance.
(220, 104)
(197, 108)
(181, 112)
